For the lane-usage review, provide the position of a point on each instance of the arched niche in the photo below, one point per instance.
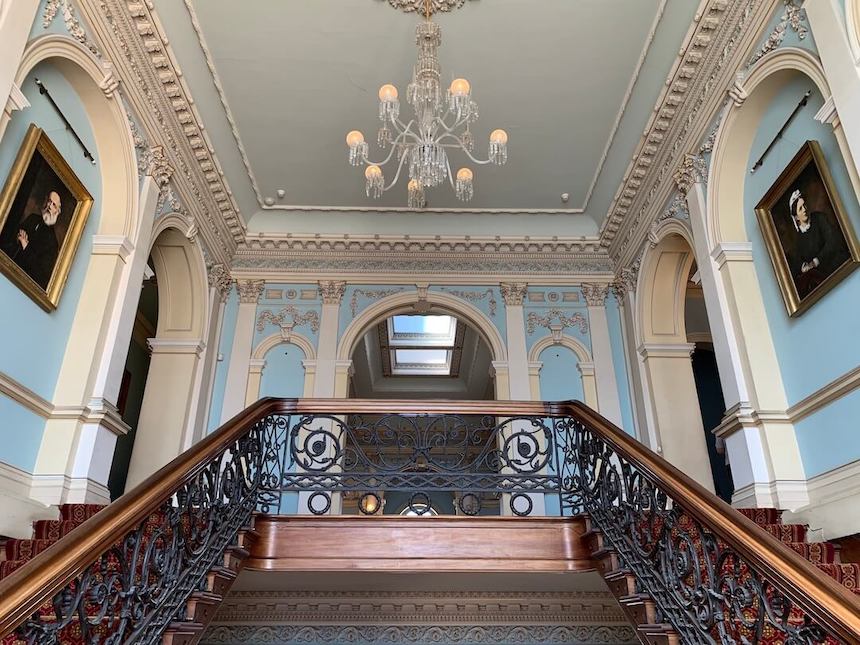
(581, 362)
(670, 387)
(172, 391)
(69, 467)
(262, 362)
(435, 303)
(852, 24)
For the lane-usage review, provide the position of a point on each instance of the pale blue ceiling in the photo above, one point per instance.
(298, 74)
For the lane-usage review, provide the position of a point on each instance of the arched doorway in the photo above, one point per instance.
(170, 400)
(676, 419)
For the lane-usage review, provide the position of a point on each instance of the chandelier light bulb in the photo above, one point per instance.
(375, 182)
(388, 92)
(498, 147)
(460, 87)
(415, 194)
(357, 147)
(499, 137)
(464, 187)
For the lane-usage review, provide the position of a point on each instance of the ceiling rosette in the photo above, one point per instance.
(420, 6)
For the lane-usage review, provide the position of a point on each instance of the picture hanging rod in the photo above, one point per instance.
(44, 92)
(782, 130)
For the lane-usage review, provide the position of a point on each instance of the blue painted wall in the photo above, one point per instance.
(619, 362)
(36, 340)
(821, 344)
(284, 374)
(228, 333)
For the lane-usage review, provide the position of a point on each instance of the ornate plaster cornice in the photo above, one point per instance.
(129, 35)
(409, 255)
(723, 35)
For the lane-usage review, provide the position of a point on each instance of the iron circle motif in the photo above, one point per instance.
(469, 504)
(319, 510)
(419, 503)
(369, 501)
(526, 510)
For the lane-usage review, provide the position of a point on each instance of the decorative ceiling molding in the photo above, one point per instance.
(410, 6)
(719, 43)
(405, 254)
(129, 34)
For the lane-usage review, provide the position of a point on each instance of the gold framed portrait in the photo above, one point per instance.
(43, 210)
(810, 240)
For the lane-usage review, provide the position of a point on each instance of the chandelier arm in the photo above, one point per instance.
(385, 189)
(394, 144)
(450, 176)
(475, 160)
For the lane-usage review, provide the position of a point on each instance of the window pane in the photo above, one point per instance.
(428, 357)
(422, 324)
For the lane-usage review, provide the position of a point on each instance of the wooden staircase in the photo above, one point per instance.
(200, 607)
(640, 608)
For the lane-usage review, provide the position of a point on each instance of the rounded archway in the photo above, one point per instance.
(166, 423)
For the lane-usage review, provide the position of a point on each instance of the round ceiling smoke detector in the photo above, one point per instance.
(565, 197)
(269, 201)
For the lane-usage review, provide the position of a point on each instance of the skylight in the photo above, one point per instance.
(421, 345)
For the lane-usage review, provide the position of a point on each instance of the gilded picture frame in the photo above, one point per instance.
(810, 241)
(43, 211)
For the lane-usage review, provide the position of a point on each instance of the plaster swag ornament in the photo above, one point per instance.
(370, 294)
(73, 24)
(332, 291)
(288, 318)
(534, 320)
(250, 290)
(513, 293)
(420, 6)
(475, 296)
(793, 18)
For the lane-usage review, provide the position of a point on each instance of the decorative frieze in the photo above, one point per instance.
(513, 293)
(332, 291)
(556, 318)
(370, 294)
(595, 294)
(437, 634)
(250, 290)
(476, 296)
(220, 279)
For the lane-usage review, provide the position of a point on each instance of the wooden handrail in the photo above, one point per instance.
(828, 603)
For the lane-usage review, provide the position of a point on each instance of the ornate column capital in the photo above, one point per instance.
(693, 170)
(250, 290)
(332, 291)
(625, 281)
(595, 294)
(513, 292)
(220, 279)
(159, 168)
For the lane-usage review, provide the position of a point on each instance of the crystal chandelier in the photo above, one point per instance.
(440, 122)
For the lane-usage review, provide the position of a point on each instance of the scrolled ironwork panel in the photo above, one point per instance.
(138, 586)
(703, 587)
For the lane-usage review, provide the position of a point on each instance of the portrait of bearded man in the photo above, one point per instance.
(35, 247)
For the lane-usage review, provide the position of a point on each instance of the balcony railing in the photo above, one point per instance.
(714, 576)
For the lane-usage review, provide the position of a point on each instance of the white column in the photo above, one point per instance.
(326, 381)
(167, 407)
(518, 360)
(827, 20)
(608, 401)
(255, 378)
(16, 19)
(240, 354)
(519, 381)
(220, 285)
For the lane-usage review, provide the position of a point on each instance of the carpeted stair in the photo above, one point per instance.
(201, 606)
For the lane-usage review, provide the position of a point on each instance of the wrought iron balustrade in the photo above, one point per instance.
(712, 574)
